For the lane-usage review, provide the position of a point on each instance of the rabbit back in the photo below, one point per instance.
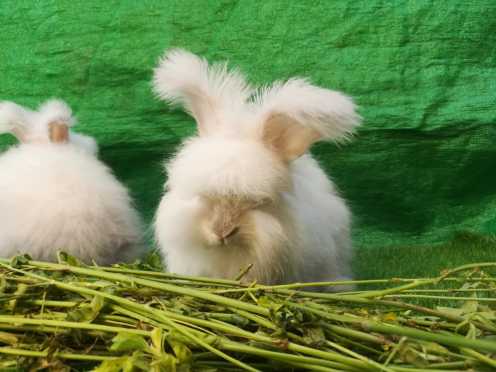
(59, 197)
(322, 223)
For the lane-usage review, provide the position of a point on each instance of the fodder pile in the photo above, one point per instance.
(68, 316)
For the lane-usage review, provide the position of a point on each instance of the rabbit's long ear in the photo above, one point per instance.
(15, 120)
(56, 115)
(208, 93)
(295, 114)
(56, 111)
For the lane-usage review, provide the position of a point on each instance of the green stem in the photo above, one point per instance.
(467, 267)
(40, 329)
(243, 272)
(346, 341)
(169, 276)
(451, 290)
(307, 367)
(481, 357)
(379, 302)
(453, 365)
(437, 313)
(256, 319)
(52, 303)
(447, 298)
(161, 286)
(159, 274)
(358, 356)
(369, 325)
(385, 292)
(11, 319)
(362, 336)
(44, 354)
(292, 286)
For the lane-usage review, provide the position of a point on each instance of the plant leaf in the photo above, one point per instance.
(128, 342)
(20, 260)
(314, 335)
(65, 258)
(87, 312)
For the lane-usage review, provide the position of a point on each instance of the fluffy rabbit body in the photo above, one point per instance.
(56, 195)
(244, 191)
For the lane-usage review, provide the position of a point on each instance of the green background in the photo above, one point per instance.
(422, 167)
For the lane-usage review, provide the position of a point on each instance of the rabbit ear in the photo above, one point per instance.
(209, 93)
(15, 120)
(56, 111)
(296, 114)
(57, 116)
(50, 122)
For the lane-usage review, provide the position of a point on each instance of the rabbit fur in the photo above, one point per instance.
(245, 190)
(59, 196)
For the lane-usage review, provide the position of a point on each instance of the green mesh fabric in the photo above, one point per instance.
(423, 72)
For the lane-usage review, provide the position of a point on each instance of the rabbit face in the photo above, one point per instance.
(234, 221)
(236, 195)
(227, 220)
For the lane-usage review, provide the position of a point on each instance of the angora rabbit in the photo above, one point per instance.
(244, 191)
(56, 195)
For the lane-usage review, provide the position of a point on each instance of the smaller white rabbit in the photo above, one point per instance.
(55, 195)
(244, 191)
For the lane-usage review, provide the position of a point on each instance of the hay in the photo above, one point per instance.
(68, 316)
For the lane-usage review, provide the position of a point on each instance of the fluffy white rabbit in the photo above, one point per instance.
(56, 195)
(244, 191)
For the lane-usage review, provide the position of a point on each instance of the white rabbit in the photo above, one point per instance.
(56, 195)
(244, 191)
